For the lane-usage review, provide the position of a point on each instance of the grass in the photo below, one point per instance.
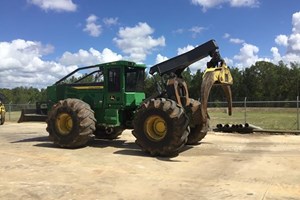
(266, 118)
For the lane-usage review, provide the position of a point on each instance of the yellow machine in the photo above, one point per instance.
(2, 111)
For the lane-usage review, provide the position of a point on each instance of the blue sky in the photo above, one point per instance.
(43, 40)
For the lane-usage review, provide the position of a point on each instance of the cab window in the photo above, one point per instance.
(114, 80)
(134, 79)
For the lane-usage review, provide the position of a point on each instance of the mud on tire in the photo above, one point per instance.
(71, 123)
(161, 127)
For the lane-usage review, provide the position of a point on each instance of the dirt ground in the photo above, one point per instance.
(223, 166)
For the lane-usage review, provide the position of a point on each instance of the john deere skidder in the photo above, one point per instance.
(110, 98)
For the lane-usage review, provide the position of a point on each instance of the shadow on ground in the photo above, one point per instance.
(122, 146)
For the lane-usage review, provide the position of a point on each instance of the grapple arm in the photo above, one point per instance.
(219, 76)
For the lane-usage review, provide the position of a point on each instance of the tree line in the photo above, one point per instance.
(263, 81)
(23, 95)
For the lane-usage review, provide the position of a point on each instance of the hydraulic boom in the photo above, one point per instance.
(179, 63)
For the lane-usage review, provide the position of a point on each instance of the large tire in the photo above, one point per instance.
(71, 123)
(2, 120)
(198, 128)
(161, 127)
(108, 133)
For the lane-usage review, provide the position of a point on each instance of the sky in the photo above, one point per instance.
(43, 40)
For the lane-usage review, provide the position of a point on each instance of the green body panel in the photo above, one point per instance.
(133, 98)
(114, 99)
(111, 116)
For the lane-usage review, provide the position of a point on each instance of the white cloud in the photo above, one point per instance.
(244, 3)
(56, 5)
(196, 30)
(160, 58)
(233, 40)
(294, 43)
(236, 40)
(296, 22)
(184, 49)
(291, 42)
(110, 21)
(90, 57)
(291, 57)
(21, 64)
(226, 35)
(92, 27)
(281, 40)
(228, 61)
(206, 4)
(137, 41)
(276, 54)
(247, 55)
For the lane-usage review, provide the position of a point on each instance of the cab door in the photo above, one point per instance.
(114, 97)
(115, 87)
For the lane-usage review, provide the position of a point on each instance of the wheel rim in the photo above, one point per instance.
(156, 128)
(64, 123)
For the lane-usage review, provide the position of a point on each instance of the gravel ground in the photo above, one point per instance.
(223, 166)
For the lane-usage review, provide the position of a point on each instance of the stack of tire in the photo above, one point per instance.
(234, 128)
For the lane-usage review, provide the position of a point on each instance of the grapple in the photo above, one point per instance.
(221, 76)
(2, 109)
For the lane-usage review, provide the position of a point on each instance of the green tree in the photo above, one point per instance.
(195, 85)
(261, 81)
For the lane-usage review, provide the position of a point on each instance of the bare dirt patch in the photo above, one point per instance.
(223, 166)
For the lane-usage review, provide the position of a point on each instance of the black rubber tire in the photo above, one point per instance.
(83, 123)
(198, 128)
(108, 133)
(2, 120)
(176, 123)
